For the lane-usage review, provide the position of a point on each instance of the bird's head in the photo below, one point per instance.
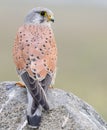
(39, 15)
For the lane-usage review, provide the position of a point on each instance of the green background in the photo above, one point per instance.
(81, 33)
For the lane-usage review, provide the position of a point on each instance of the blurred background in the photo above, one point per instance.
(81, 34)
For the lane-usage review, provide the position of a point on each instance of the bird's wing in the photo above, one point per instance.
(35, 90)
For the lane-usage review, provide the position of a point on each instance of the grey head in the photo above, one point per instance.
(39, 15)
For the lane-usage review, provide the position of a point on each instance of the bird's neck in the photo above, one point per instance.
(48, 24)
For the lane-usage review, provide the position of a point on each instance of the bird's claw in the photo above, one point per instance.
(50, 86)
(20, 84)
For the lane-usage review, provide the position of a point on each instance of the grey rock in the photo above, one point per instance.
(67, 111)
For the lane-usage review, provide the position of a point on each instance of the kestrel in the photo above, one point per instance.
(35, 57)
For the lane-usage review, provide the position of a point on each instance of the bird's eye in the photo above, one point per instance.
(43, 13)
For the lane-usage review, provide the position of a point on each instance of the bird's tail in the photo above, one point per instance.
(34, 112)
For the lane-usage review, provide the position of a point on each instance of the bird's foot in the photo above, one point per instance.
(20, 84)
(51, 87)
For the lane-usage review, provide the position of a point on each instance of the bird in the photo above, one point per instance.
(35, 58)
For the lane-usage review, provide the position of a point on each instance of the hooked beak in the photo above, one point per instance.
(50, 18)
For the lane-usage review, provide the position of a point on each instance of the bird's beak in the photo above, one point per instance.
(50, 18)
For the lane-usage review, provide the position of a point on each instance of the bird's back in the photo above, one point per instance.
(35, 50)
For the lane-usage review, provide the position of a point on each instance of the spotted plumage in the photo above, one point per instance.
(35, 57)
(35, 50)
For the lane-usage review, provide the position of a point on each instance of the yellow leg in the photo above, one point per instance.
(20, 84)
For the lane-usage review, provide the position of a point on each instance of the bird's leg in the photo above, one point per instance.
(20, 84)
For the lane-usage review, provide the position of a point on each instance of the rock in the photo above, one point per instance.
(67, 111)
